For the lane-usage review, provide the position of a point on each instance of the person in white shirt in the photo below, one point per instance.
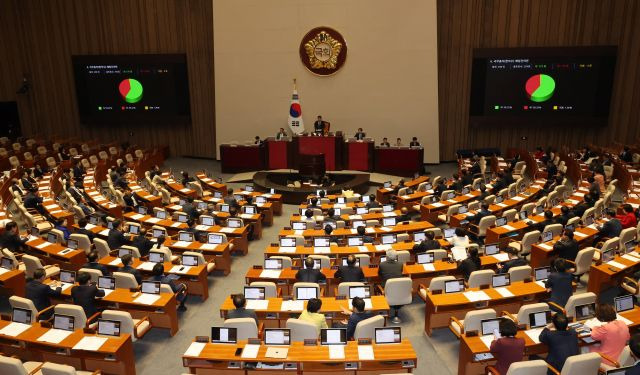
(460, 239)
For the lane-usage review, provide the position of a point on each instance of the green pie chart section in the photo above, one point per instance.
(540, 88)
(130, 90)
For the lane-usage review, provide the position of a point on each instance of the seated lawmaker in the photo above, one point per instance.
(92, 263)
(281, 134)
(562, 342)
(10, 238)
(515, 260)
(566, 247)
(414, 142)
(311, 314)
(472, 263)
(40, 293)
(362, 231)
(181, 289)
(142, 243)
(318, 126)
(356, 315)
(82, 223)
(559, 283)
(390, 268)
(127, 260)
(385, 143)
(84, 294)
(429, 243)
(240, 311)
(350, 272)
(308, 274)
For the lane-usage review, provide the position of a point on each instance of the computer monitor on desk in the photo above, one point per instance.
(333, 336)
(224, 335)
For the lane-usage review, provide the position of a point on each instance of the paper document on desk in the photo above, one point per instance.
(146, 266)
(630, 258)
(476, 296)
(429, 267)
(195, 349)
(181, 244)
(437, 204)
(180, 269)
(270, 274)
(501, 204)
(89, 226)
(459, 253)
(355, 217)
(54, 336)
(298, 232)
(365, 352)
(147, 299)
(363, 249)
(580, 234)
(250, 351)
(13, 329)
(321, 250)
(534, 334)
(383, 247)
(227, 230)
(503, 291)
(104, 232)
(292, 305)
(518, 198)
(91, 343)
(508, 227)
(487, 340)
(246, 216)
(274, 352)
(624, 320)
(116, 262)
(3, 271)
(176, 224)
(369, 230)
(593, 322)
(336, 351)
(208, 246)
(203, 227)
(289, 250)
(501, 257)
(257, 304)
(616, 265)
(545, 246)
(541, 283)
(385, 229)
(51, 206)
(137, 216)
(43, 245)
(152, 220)
(106, 292)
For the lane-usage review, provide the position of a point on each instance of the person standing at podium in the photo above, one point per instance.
(360, 135)
(281, 134)
(318, 126)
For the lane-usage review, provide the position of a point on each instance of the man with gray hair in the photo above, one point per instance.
(390, 268)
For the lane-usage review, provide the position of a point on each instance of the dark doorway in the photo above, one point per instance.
(9, 120)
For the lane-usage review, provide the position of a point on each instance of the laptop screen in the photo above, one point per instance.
(248, 188)
(250, 210)
(287, 242)
(488, 326)
(185, 236)
(388, 239)
(273, 264)
(623, 303)
(122, 252)
(542, 273)
(501, 221)
(424, 258)
(93, 220)
(454, 286)
(157, 233)
(608, 255)
(619, 370)
(629, 246)
(150, 287)
(387, 208)
(224, 208)
(499, 199)
(224, 335)
(133, 229)
(586, 311)
(182, 218)
(254, 292)
(156, 257)
(366, 199)
(388, 335)
(419, 236)
(337, 211)
(341, 200)
(491, 249)
(202, 205)
(105, 282)
(463, 210)
(547, 236)
(110, 224)
(19, 315)
(361, 210)
(321, 242)
(523, 215)
(68, 277)
(359, 291)
(217, 194)
(261, 200)
(142, 210)
(333, 336)
(299, 225)
(387, 184)
(355, 241)
(189, 260)
(161, 214)
(108, 327)
(6, 263)
(234, 223)
(65, 322)
(207, 220)
(389, 221)
(72, 244)
(449, 232)
(52, 237)
(277, 336)
(539, 319)
(498, 281)
(214, 238)
(306, 293)
(357, 223)
(588, 220)
(357, 264)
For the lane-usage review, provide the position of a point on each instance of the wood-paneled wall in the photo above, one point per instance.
(467, 24)
(49, 32)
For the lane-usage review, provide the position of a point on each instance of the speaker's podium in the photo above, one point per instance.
(359, 154)
(278, 153)
(329, 145)
(311, 166)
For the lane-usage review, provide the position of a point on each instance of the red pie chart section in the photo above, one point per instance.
(540, 88)
(130, 90)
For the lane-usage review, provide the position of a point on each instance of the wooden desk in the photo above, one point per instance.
(144, 196)
(47, 193)
(414, 226)
(14, 282)
(431, 211)
(383, 195)
(91, 189)
(49, 253)
(115, 356)
(440, 308)
(211, 184)
(400, 161)
(215, 359)
(342, 251)
(602, 276)
(221, 254)
(542, 253)
(419, 275)
(349, 218)
(177, 187)
(275, 199)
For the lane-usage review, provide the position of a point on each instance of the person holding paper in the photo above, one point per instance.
(181, 289)
(559, 283)
(613, 335)
(566, 247)
(506, 347)
(40, 293)
(350, 272)
(311, 314)
(390, 268)
(84, 294)
(514, 260)
(357, 315)
(116, 238)
(308, 274)
(472, 263)
(460, 239)
(240, 311)
(562, 342)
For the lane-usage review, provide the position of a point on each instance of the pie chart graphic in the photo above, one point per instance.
(540, 87)
(130, 90)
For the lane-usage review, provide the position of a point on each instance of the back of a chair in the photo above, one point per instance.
(528, 208)
(610, 243)
(325, 261)
(166, 253)
(627, 235)
(270, 288)
(125, 280)
(625, 358)
(305, 285)
(366, 328)
(8, 254)
(301, 330)
(510, 214)
(437, 283)
(84, 243)
(49, 368)
(124, 317)
(95, 274)
(286, 261)
(343, 288)
(480, 277)
(59, 235)
(519, 273)
(445, 194)
(134, 250)
(536, 367)
(555, 229)
(398, 291)
(10, 365)
(403, 256)
(525, 310)
(584, 259)
(79, 317)
(402, 237)
(452, 210)
(437, 232)
(528, 240)
(31, 264)
(473, 318)
(24, 303)
(247, 327)
(588, 212)
(582, 364)
(438, 254)
(102, 247)
(364, 259)
(485, 223)
(577, 300)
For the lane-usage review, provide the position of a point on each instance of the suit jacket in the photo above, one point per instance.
(40, 294)
(611, 228)
(32, 201)
(540, 226)
(467, 266)
(579, 209)
(86, 232)
(318, 126)
(389, 270)
(11, 241)
(566, 249)
(561, 288)
(309, 275)
(349, 274)
(513, 263)
(143, 245)
(367, 239)
(507, 350)
(133, 271)
(426, 245)
(353, 321)
(85, 296)
(372, 204)
(97, 266)
(479, 215)
(635, 370)
(360, 136)
(115, 239)
(190, 209)
(562, 345)
(242, 313)
(129, 200)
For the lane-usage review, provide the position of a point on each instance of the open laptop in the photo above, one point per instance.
(449, 232)
(358, 223)
(261, 200)
(185, 236)
(488, 326)
(341, 200)
(287, 242)
(108, 328)
(156, 257)
(157, 233)
(588, 220)
(629, 246)
(122, 252)
(202, 205)
(214, 238)
(161, 214)
(224, 335)
(234, 223)
(19, 315)
(133, 229)
(299, 225)
(463, 209)
(106, 282)
(150, 287)
(387, 208)
(362, 291)
(388, 335)
(217, 194)
(362, 210)
(277, 336)
(67, 278)
(623, 303)
(306, 293)
(539, 319)
(248, 188)
(224, 208)
(619, 370)
(608, 255)
(499, 199)
(586, 311)
(547, 236)
(249, 210)
(454, 286)
(254, 292)
(72, 244)
(424, 258)
(93, 220)
(337, 211)
(6, 263)
(386, 184)
(182, 218)
(344, 262)
(388, 239)
(189, 260)
(142, 210)
(52, 237)
(491, 249)
(64, 322)
(542, 273)
(365, 199)
(355, 241)
(321, 242)
(523, 215)
(273, 264)
(207, 220)
(501, 280)
(388, 221)
(501, 221)
(333, 336)
(419, 236)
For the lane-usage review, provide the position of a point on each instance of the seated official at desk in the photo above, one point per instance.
(116, 238)
(61, 225)
(360, 134)
(362, 231)
(414, 142)
(356, 316)
(33, 202)
(318, 126)
(515, 260)
(484, 211)
(328, 229)
(93, 263)
(460, 239)
(472, 263)
(84, 294)
(628, 219)
(385, 143)
(350, 272)
(429, 243)
(566, 247)
(390, 268)
(506, 347)
(10, 239)
(181, 289)
(330, 218)
(559, 283)
(634, 345)
(82, 223)
(142, 243)
(40, 294)
(399, 142)
(613, 334)
(548, 220)
(281, 134)
(311, 315)
(308, 274)
(240, 312)
(611, 228)
(373, 203)
(230, 199)
(127, 260)
(404, 215)
(562, 342)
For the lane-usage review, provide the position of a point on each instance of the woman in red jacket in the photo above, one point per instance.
(628, 219)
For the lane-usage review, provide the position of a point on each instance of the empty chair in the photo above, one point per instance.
(524, 245)
(137, 328)
(286, 261)
(438, 254)
(366, 328)
(32, 264)
(403, 256)
(584, 259)
(451, 211)
(437, 283)
(519, 273)
(398, 292)
(125, 280)
(14, 162)
(555, 229)
(531, 367)
(84, 243)
(402, 237)
(364, 259)
(270, 288)
(14, 366)
(575, 300)
(246, 327)
(611, 243)
(627, 234)
(480, 278)
(523, 313)
(581, 364)
(80, 319)
(102, 247)
(471, 321)
(27, 304)
(301, 330)
(510, 214)
(528, 208)
(484, 224)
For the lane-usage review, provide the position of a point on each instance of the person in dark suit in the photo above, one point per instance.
(318, 126)
(84, 294)
(362, 231)
(40, 294)
(548, 220)
(483, 192)
(142, 243)
(308, 274)
(559, 283)
(390, 268)
(566, 247)
(372, 202)
(116, 238)
(350, 272)
(404, 215)
(467, 178)
(93, 264)
(626, 155)
(484, 211)
(82, 223)
(39, 171)
(385, 142)
(186, 178)
(129, 200)
(514, 260)
(230, 199)
(27, 182)
(360, 134)
(565, 215)
(439, 188)
(414, 142)
(33, 202)
(456, 184)
(475, 167)
(562, 342)
(500, 183)
(190, 209)
(356, 316)
(472, 263)
(126, 267)
(181, 289)
(281, 134)
(580, 208)
(10, 238)
(430, 243)
(552, 169)
(331, 218)
(610, 228)
(240, 312)
(634, 345)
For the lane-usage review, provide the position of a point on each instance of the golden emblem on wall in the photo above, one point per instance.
(323, 51)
